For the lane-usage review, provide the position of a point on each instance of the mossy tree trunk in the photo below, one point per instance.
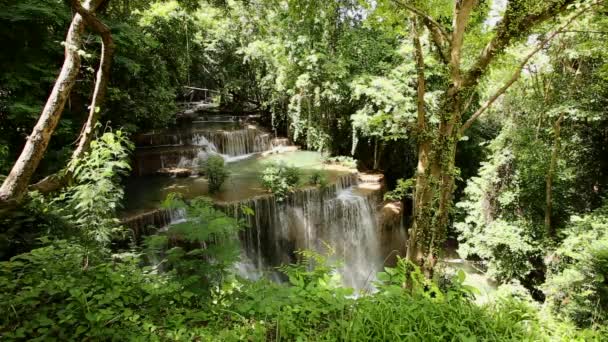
(436, 171)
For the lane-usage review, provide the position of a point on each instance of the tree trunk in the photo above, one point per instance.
(557, 127)
(15, 185)
(377, 152)
(423, 192)
(101, 82)
(57, 181)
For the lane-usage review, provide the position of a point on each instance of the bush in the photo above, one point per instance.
(216, 172)
(318, 178)
(200, 249)
(62, 292)
(92, 202)
(280, 179)
(292, 175)
(577, 279)
(65, 292)
(403, 190)
(345, 161)
(70, 291)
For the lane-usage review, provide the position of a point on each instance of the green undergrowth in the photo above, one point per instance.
(64, 291)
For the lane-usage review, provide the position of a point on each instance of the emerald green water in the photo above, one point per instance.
(145, 193)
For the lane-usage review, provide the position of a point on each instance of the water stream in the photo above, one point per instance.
(341, 220)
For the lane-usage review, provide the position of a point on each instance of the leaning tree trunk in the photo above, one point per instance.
(15, 185)
(57, 181)
(101, 82)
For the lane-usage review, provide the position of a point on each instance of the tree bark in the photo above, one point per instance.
(422, 192)
(15, 185)
(102, 80)
(57, 181)
(557, 127)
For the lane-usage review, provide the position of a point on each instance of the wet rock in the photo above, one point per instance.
(281, 149)
(390, 215)
(365, 177)
(175, 172)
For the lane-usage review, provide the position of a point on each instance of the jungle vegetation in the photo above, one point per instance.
(488, 118)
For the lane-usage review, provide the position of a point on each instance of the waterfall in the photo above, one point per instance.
(149, 222)
(354, 232)
(237, 142)
(185, 150)
(343, 218)
(338, 216)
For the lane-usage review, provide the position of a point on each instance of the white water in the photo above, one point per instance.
(338, 222)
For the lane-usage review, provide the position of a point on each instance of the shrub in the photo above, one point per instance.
(70, 291)
(345, 161)
(292, 175)
(577, 279)
(216, 172)
(97, 194)
(201, 248)
(61, 292)
(280, 179)
(403, 190)
(318, 178)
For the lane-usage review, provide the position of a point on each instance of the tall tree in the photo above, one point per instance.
(436, 167)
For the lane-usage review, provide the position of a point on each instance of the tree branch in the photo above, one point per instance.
(421, 82)
(510, 28)
(462, 12)
(425, 17)
(515, 76)
(438, 40)
(103, 76)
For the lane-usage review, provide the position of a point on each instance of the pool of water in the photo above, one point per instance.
(144, 193)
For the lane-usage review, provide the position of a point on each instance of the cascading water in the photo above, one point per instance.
(342, 218)
(354, 232)
(185, 150)
(341, 221)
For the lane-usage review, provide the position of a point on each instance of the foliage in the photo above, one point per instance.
(214, 168)
(488, 231)
(577, 284)
(199, 249)
(345, 161)
(51, 293)
(503, 213)
(86, 209)
(318, 178)
(280, 178)
(402, 190)
(21, 229)
(91, 203)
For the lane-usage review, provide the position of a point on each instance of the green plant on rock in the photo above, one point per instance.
(318, 178)
(402, 191)
(280, 179)
(214, 168)
(345, 161)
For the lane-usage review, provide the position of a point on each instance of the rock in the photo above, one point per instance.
(279, 142)
(390, 215)
(281, 149)
(175, 172)
(371, 177)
